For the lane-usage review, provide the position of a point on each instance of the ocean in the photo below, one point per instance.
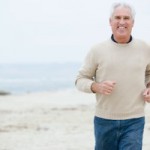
(25, 78)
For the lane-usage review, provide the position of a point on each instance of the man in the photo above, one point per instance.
(118, 72)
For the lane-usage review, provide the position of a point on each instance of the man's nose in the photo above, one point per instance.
(122, 21)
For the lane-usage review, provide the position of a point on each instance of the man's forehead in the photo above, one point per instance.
(122, 15)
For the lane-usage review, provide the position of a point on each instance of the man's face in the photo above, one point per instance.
(121, 23)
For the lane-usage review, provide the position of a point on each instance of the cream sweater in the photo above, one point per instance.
(128, 65)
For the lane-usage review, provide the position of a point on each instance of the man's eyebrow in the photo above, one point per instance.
(118, 16)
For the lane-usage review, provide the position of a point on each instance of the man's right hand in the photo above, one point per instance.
(105, 87)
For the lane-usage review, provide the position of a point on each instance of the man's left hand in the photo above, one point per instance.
(146, 95)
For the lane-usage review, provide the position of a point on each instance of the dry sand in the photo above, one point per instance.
(51, 121)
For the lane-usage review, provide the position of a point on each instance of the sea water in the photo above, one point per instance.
(23, 78)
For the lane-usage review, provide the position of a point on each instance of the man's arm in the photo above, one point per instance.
(87, 73)
(146, 93)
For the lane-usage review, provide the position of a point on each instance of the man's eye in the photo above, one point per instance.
(126, 18)
(117, 17)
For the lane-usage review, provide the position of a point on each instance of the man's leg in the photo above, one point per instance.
(105, 134)
(132, 134)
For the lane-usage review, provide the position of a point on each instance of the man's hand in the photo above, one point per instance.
(105, 87)
(146, 95)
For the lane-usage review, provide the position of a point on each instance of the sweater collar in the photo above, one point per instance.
(112, 37)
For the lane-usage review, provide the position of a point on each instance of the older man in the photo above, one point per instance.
(118, 72)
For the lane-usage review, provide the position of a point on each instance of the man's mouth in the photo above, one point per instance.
(121, 27)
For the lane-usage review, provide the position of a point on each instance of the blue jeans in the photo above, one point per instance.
(118, 134)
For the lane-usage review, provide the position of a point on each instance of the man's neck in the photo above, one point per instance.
(128, 41)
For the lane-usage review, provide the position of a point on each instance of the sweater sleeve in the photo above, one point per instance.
(86, 74)
(147, 74)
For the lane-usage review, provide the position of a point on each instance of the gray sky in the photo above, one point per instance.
(59, 30)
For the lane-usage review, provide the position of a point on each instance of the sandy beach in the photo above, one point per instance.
(60, 120)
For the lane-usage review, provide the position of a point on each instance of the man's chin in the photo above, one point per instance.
(122, 35)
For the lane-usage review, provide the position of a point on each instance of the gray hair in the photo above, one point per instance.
(124, 5)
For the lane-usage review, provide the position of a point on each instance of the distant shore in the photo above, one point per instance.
(4, 93)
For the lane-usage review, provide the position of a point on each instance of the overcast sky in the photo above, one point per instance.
(42, 31)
